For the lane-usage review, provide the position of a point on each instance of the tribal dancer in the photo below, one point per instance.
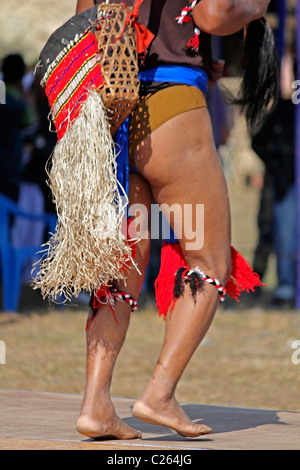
(174, 160)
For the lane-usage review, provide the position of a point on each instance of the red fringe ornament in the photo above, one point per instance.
(171, 260)
(242, 279)
(108, 295)
(193, 43)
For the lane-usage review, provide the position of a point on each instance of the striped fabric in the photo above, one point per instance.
(75, 70)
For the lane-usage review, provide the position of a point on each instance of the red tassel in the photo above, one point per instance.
(193, 42)
(101, 297)
(243, 278)
(171, 260)
(104, 296)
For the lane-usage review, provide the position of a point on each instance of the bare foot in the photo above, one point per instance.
(106, 425)
(171, 415)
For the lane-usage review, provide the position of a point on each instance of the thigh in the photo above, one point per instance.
(180, 161)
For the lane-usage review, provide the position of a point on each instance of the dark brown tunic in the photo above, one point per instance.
(171, 38)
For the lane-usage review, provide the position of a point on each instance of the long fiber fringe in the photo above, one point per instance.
(88, 248)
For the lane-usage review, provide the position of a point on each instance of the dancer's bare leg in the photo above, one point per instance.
(105, 338)
(186, 171)
(185, 328)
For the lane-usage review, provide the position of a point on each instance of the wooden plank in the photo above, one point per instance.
(34, 420)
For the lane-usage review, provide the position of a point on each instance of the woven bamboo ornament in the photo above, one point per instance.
(119, 62)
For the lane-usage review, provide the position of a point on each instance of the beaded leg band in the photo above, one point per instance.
(108, 295)
(196, 279)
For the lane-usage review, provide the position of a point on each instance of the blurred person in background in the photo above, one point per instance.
(275, 145)
(15, 116)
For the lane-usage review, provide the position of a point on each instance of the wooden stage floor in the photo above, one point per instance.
(46, 421)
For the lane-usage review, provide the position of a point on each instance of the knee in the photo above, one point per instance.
(221, 270)
(133, 285)
(224, 270)
(215, 264)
